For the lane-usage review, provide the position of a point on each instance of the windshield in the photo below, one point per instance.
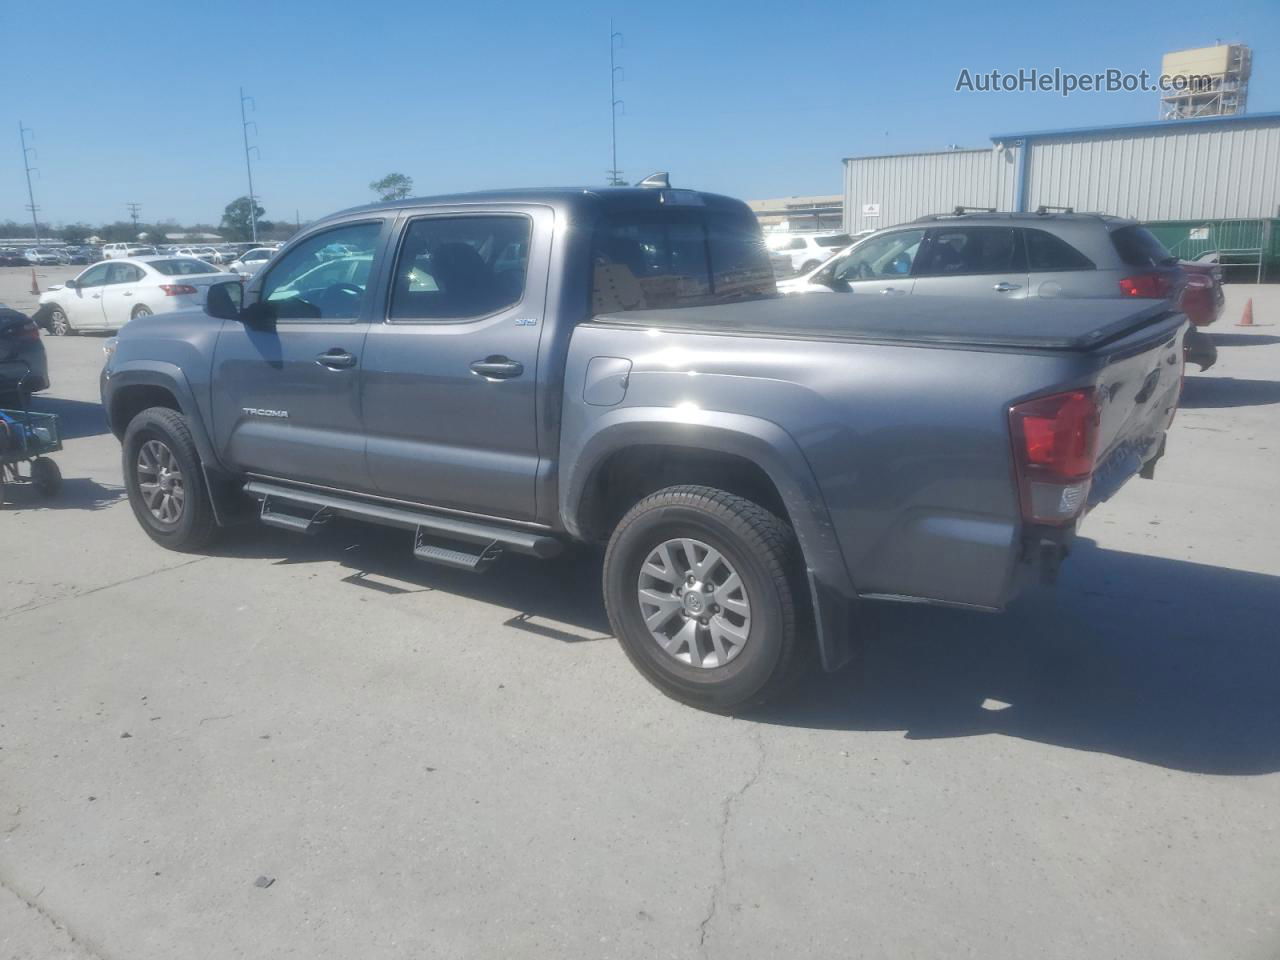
(678, 258)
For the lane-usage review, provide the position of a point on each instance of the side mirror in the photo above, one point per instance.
(224, 300)
(71, 284)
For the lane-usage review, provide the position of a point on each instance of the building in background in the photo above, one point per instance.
(1208, 183)
(1217, 81)
(819, 214)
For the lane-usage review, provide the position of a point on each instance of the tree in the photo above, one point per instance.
(237, 223)
(394, 186)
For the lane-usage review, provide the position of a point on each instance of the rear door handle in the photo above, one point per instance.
(1004, 286)
(497, 368)
(336, 359)
(891, 291)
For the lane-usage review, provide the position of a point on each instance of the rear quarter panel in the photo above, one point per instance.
(907, 446)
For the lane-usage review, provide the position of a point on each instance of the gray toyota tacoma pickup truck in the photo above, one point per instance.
(523, 370)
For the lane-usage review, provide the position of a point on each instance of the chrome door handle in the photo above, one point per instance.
(126, 293)
(336, 359)
(1004, 286)
(887, 291)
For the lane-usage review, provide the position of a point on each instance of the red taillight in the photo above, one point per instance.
(1154, 286)
(176, 289)
(27, 333)
(1055, 442)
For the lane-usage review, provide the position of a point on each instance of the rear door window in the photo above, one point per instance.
(1047, 253)
(649, 260)
(962, 251)
(460, 268)
(1138, 247)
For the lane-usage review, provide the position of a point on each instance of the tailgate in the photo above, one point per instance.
(1137, 391)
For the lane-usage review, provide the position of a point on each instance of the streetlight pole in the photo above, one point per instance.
(31, 196)
(245, 123)
(615, 41)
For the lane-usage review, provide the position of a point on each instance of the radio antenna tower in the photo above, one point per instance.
(615, 72)
(245, 124)
(27, 153)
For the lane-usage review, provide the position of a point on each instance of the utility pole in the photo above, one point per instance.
(133, 215)
(245, 123)
(615, 41)
(31, 197)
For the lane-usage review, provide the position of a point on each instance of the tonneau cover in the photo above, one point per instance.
(1073, 325)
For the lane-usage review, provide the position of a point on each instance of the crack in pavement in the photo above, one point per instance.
(727, 808)
(27, 608)
(86, 950)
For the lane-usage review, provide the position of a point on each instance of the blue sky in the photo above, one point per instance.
(138, 102)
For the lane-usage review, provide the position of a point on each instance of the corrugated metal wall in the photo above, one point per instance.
(912, 185)
(1192, 173)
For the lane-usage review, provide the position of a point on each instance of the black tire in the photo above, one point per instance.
(758, 545)
(46, 476)
(194, 526)
(59, 325)
(141, 310)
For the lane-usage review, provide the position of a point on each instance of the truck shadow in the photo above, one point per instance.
(1160, 661)
(77, 418)
(556, 599)
(1206, 392)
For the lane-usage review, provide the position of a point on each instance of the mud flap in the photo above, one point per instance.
(841, 624)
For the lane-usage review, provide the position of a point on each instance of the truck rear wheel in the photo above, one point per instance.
(698, 586)
(165, 482)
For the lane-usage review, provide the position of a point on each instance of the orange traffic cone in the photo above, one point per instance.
(1246, 318)
(35, 287)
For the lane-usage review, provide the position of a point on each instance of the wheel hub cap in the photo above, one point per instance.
(160, 482)
(694, 603)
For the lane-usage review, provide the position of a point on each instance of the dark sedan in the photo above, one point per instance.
(23, 366)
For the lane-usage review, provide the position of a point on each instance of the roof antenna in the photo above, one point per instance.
(660, 180)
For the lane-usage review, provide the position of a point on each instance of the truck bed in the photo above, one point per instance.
(1058, 325)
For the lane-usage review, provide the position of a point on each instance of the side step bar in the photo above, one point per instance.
(469, 544)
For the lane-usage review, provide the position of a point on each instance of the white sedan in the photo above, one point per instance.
(251, 262)
(108, 295)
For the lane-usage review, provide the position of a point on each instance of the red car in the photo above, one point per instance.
(1201, 300)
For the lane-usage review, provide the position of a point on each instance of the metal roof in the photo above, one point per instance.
(1150, 125)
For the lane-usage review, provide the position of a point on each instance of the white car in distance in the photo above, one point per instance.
(252, 261)
(805, 251)
(109, 294)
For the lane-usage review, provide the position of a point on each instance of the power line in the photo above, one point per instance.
(27, 153)
(245, 124)
(133, 215)
(615, 42)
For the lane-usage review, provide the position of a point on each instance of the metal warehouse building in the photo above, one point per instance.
(1210, 183)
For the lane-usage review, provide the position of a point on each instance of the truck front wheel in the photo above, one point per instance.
(698, 586)
(165, 482)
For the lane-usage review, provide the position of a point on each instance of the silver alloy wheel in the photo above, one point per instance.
(160, 481)
(141, 311)
(58, 324)
(694, 603)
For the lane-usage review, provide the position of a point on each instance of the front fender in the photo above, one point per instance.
(156, 373)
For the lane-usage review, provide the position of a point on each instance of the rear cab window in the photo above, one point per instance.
(678, 256)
